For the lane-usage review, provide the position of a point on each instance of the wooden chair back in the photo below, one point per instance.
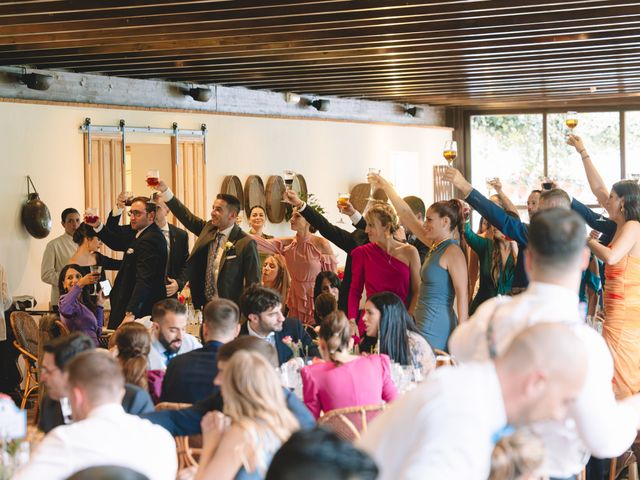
(184, 444)
(348, 423)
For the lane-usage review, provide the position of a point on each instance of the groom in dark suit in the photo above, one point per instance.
(140, 280)
(224, 259)
(261, 308)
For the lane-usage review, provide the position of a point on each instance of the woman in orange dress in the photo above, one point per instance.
(621, 328)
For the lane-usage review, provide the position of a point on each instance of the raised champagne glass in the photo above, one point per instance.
(90, 215)
(571, 120)
(450, 151)
(343, 201)
(153, 178)
(370, 171)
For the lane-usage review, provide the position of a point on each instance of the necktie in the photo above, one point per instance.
(169, 355)
(210, 287)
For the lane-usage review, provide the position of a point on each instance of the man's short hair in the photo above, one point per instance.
(65, 348)
(535, 191)
(257, 299)
(161, 308)
(319, 454)
(416, 204)
(557, 238)
(98, 374)
(221, 315)
(556, 197)
(68, 211)
(248, 342)
(232, 202)
(149, 206)
(110, 472)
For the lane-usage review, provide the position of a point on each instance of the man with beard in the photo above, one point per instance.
(168, 335)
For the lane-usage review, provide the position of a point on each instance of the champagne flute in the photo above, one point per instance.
(95, 269)
(450, 151)
(571, 120)
(343, 200)
(489, 181)
(91, 215)
(153, 178)
(376, 171)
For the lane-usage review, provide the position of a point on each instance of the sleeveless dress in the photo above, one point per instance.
(377, 271)
(304, 263)
(434, 315)
(621, 329)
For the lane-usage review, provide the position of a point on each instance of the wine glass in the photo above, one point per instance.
(602, 218)
(571, 120)
(450, 151)
(489, 181)
(153, 178)
(547, 183)
(95, 269)
(376, 171)
(91, 215)
(128, 198)
(288, 176)
(343, 200)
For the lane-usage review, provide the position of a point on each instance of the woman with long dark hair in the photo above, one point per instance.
(386, 318)
(621, 328)
(79, 310)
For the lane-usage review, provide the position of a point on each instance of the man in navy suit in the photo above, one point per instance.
(189, 377)
(262, 310)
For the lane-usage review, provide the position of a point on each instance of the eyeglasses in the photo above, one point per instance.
(136, 213)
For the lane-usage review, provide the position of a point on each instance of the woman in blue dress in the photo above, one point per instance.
(444, 271)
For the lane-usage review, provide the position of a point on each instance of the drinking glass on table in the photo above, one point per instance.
(95, 269)
(153, 178)
(91, 215)
(450, 151)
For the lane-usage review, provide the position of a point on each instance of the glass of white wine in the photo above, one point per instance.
(450, 151)
(571, 120)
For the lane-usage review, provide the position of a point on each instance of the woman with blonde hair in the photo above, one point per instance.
(240, 443)
(516, 457)
(276, 276)
(344, 380)
(385, 264)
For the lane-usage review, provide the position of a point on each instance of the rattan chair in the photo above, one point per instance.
(184, 448)
(25, 330)
(348, 423)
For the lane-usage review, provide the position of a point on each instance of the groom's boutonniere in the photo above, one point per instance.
(228, 246)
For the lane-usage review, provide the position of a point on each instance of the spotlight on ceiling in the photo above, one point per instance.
(320, 104)
(36, 81)
(200, 94)
(412, 111)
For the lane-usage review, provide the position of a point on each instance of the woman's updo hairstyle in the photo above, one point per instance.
(454, 211)
(385, 214)
(335, 330)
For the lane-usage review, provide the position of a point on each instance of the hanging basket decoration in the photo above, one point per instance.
(36, 217)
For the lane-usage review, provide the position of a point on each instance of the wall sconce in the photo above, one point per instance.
(412, 111)
(36, 81)
(291, 97)
(320, 104)
(200, 94)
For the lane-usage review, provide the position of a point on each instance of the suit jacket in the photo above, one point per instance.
(140, 281)
(187, 420)
(136, 401)
(189, 377)
(292, 327)
(239, 265)
(117, 236)
(344, 240)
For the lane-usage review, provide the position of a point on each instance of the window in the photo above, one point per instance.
(632, 144)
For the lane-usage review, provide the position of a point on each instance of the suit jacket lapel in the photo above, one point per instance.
(233, 236)
(206, 236)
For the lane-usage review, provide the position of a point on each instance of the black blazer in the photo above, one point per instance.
(292, 327)
(239, 265)
(344, 240)
(189, 376)
(178, 243)
(140, 280)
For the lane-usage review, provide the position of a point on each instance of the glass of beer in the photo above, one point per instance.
(153, 178)
(343, 201)
(450, 151)
(90, 215)
(571, 120)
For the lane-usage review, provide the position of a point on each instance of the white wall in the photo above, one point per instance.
(43, 141)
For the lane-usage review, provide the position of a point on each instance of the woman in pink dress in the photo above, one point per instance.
(306, 255)
(344, 380)
(385, 264)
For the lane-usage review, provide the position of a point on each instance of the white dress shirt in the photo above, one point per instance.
(56, 255)
(442, 430)
(597, 424)
(108, 436)
(158, 360)
(271, 338)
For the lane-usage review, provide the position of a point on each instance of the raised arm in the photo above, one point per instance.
(477, 243)
(407, 217)
(596, 183)
(414, 268)
(506, 201)
(190, 221)
(496, 216)
(593, 219)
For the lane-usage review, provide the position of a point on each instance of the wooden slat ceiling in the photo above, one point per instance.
(461, 52)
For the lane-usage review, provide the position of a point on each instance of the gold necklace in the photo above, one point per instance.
(434, 247)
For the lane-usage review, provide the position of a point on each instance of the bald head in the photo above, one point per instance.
(541, 372)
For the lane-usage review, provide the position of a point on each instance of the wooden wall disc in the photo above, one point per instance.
(253, 193)
(273, 196)
(300, 185)
(360, 196)
(231, 185)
